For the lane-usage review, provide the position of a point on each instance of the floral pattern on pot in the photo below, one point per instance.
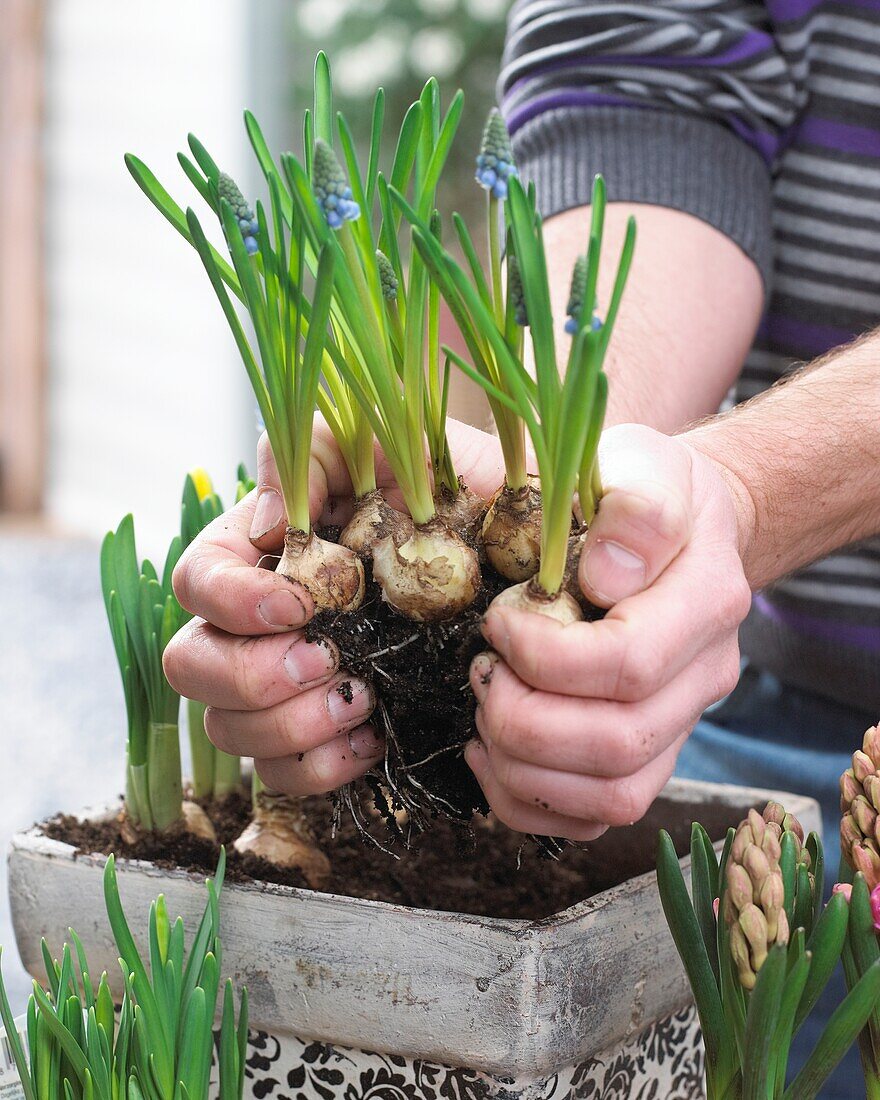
(664, 1062)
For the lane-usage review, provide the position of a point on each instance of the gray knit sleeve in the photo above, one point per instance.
(679, 103)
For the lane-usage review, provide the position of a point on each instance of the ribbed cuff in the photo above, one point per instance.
(656, 157)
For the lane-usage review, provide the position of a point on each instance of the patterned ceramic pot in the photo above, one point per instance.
(363, 1000)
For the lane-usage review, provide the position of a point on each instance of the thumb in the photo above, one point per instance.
(270, 519)
(645, 515)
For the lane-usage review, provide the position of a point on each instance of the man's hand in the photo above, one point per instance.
(271, 694)
(580, 725)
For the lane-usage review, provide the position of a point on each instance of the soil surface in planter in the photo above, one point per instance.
(485, 869)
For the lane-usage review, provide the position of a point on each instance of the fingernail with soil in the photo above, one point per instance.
(482, 667)
(310, 662)
(365, 743)
(613, 572)
(495, 630)
(282, 608)
(476, 757)
(268, 514)
(350, 702)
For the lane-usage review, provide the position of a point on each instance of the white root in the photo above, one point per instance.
(428, 575)
(333, 574)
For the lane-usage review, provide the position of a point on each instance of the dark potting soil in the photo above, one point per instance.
(484, 870)
(425, 707)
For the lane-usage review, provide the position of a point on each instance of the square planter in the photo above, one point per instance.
(361, 998)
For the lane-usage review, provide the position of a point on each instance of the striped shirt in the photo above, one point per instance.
(762, 119)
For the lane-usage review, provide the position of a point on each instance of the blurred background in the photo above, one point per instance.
(117, 373)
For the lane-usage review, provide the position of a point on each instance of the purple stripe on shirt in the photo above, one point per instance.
(749, 45)
(840, 136)
(521, 115)
(801, 338)
(786, 11)
(766, 144)
(861, 637)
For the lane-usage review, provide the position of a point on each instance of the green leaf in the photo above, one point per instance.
(839, 1035)
(825, 945)
(15, 1046)
(323, 100)
(169, 209)
(762, 1019)
(704, 887)
(203, 158)
(688, 939)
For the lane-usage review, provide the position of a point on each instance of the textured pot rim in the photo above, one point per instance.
(34, 841)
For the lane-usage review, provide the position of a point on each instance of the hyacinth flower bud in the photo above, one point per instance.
(229, 190)
(495, 163)
(875, 907)
(871, 787)
(844, 888)
(859, 796)
(515, 291)
(331, 188)
(387, 277)
(754, 907)
(865, 858)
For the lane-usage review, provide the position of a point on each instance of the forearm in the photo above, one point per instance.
(803, 460)
(688, 318)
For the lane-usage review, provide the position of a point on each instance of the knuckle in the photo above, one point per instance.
(272, 773)
(320, 772)
(217, 731)
(628, 801)
(183, 577)
(728, 675)
(737, 602)
(640, 671)
(632, 750)
(246, 679)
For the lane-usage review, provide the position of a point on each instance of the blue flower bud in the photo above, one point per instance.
(229, 190)
(331, 189)
(495, 164)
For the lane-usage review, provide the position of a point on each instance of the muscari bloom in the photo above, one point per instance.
(387, 277)
(228, 189)
(576, 298)
(331, 188)
(495, 164)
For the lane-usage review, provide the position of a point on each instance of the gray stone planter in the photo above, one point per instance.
(355, 998)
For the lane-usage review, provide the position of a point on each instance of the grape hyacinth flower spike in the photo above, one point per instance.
(228, 189)
(331, 188)
(495, 164)
(387, 277)
(576, 298)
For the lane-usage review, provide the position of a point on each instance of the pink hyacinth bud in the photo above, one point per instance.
(875, 907)
(844, 888)
(862, 766)
(715, 907)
